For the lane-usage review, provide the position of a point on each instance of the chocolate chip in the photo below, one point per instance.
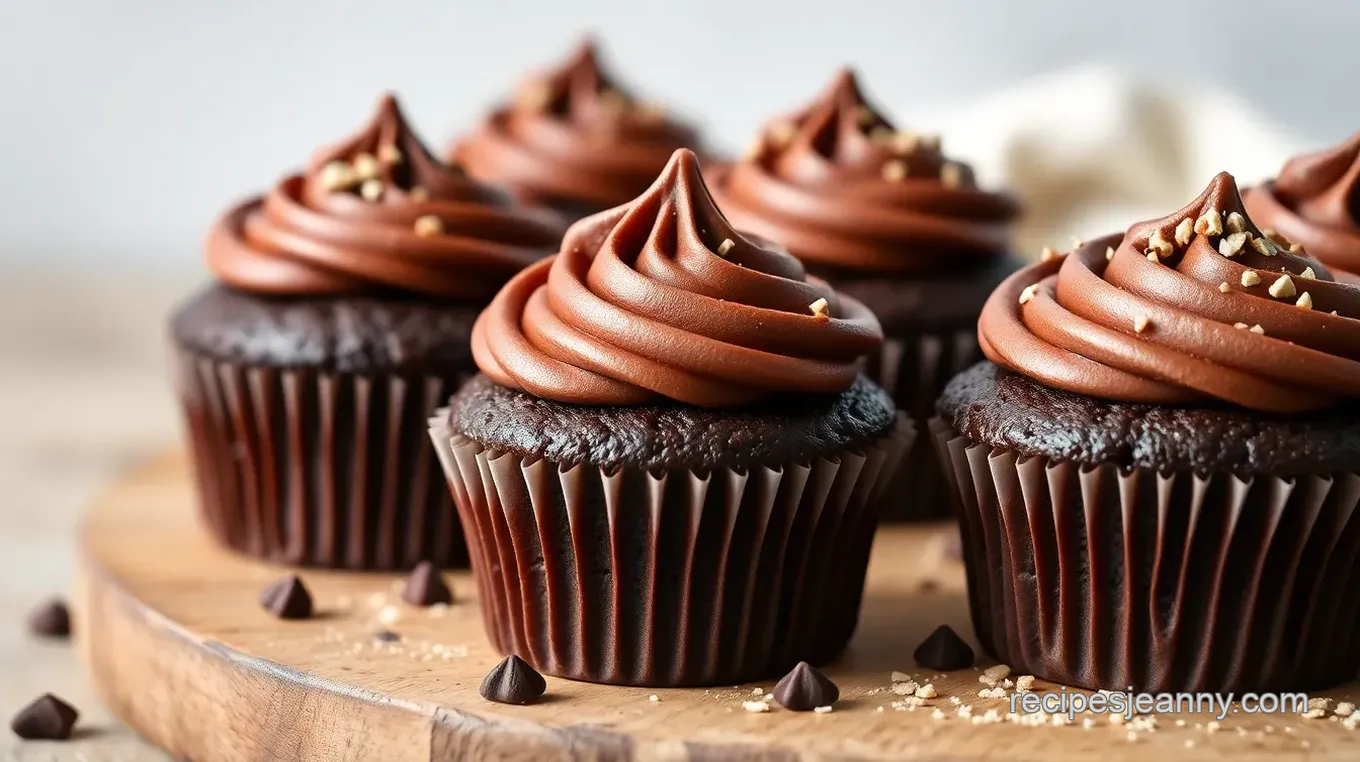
(513, 681)
(426, 586)
(805, 688)
(287, 598)
(944, 650)
(50, 620)
(47, 719)
(387, 636)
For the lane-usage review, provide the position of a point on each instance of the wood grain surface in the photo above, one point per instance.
(178, 647)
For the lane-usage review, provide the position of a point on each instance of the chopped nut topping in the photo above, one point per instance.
(1263, 245)
(371, 190)
(1209, 223)
(865, 116)
(366, 166)
(782, 132)
(1295, 248)
(1140, 323)
(1258, 329)
(1185, 231)
(1231, 245)
(1048, 254)
(1160, 245)
(1109, 253)
(951, 175)
(337, 176)
(1308, 274)
(1283, 287)
(895, 170)
(819, 308)
(1224, 288)
(389, 154)
(418, 193)
(429, 226)
(1152, 257)
(906, 142)
(1305, 302)
(1236, 223)
(1240, 326)
(1029, 293)
(1251, 278)
(727, 245)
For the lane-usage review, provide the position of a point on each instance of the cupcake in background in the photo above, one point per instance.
(1159, 468)
(670, 470)
(886, 217)
(573, 139)
(1315, 204)
(341, 319)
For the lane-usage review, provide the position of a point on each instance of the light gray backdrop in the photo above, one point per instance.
(127, 125)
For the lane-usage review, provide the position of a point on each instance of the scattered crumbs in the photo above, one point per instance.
(438, 610)
(1131, 736)
(822, 709)
(992, 693)
(1088, 723)
(757, 692)
(755, 706)
(1059, 719)
(926, 691)
(905, 689)
(1320, 703)
(881, 709)
(1315, 714)
(1007, 683)
(997, 672)
(936, 715)
(1345, 709)
(654, 698)
(1212, 726)
(965, 711)
(900, 677)
(1180, 723)
(955, 700)
(1024, 683)
(389, 615)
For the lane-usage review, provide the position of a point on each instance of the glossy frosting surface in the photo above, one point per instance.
(1315, 202)
(838, 185)
(378, 213)
(573, 136)
(1177, 312)
(663, 299)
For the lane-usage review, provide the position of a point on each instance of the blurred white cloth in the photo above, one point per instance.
(1091, 151)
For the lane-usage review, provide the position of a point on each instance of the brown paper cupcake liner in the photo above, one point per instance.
(914, 370)
(1107, 578)
(631, 577)
(319, 469)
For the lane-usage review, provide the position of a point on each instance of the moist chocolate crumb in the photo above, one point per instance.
(46, 719)
(944, 650)
(426, 586)
(287, 598)
(805, 688)
(513, 681)
(50, 620)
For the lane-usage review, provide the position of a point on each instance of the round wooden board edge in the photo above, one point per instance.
(229, 705)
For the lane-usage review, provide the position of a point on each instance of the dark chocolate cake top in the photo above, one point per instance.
(993, 406)
(668, 436)
(663, 299)
(1195, 307)
(378, 212)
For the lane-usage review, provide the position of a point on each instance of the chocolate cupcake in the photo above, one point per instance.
(885, 217)
(669, 472)
(573, 139)
(1160, 467)
(1315, 204)
(342, 316)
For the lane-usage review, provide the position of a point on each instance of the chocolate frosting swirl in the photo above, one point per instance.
(1180, 312)
(661, 298)
(1315, 202)
(573, 137)
(841, 187)
(378, 212)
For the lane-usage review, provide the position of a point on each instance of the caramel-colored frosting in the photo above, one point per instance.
(573, 137)
(841, 187)
(1194, 307)
(378, 212)
(662, 298)
(1315, 202)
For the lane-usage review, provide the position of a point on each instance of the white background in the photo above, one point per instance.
(128, 125)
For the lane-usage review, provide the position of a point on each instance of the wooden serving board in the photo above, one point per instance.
(170, 631)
